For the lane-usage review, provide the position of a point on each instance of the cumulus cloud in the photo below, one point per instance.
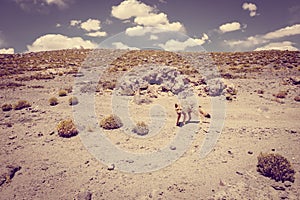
(58, 25)
(251, 7)
(75, 22)
(130, 8)
(144, 16)
(120, 45)
(228, 27)
(97, 34)
(175, 45)
(285, 45)
(7, 51)
(91, 25)
(253, 41)
(58, 41)
(59, 3)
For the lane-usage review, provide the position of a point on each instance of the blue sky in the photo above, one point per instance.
(214, 25)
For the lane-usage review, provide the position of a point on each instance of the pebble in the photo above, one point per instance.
(250, 152)
(111, 167)
(85, 195)
(12, 137)
(287, 184)
(278, 187)
(172, 148)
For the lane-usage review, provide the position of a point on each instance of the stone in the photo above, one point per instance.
(84, 195)
(111, 167)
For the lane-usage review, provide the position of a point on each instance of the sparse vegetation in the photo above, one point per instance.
(281, 94)
(22, 104)
(141, 128)
(6, 107)
(276, 167)
(111, 122)
(67, 128)
(73, 101)
(62, 93)
(53, 101)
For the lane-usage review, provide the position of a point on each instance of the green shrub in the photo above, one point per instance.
(276, 167)
(67, 128)
(22, 104)
(73, 101)
(62, 93)
(53, 101)
(6, 107)
(111, 122)
(141, 129)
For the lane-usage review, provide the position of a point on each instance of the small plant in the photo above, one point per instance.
(6, 107)
(66, 128)
(276, 167)
(22, 104)
(73, 101)
(53, 101)
(141, 129)
(111, 122)
(62, 93)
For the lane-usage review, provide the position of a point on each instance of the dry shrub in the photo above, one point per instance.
(53, 101)
(276, 167)
(73, 101)
(22, 104)
(141, 128)
(281, 94)
(111, 122)
(62, 93)
(6, 107)
(67, 128)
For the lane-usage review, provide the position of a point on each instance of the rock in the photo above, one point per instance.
(297, 98)
(9, 173)
(172, 148)
(278, 187)
(111, 167)
(12, 137)
(85, 195)
(293, 131)
(295, 80)
(250, 152)
(239, 173)
(287, 184)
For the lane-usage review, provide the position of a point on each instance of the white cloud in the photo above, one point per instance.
(120, 45)
(29, 5)
(91, 25)
(7, 51)
(251, 7)
(58, 25)
(75, 22)
(97, 34)
(152, 19)
(145, 18)
(285, 45)
(228, 27)
(57, 41)
(108, 22)
(283, 32)
(130, 8)
(175, 45)
(59, 3)
(256, 40)
(153, 37)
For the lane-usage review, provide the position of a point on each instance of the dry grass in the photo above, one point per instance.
(21, 104)
(6, 107)
(67, 128)
(141, 129)
(111, 122)
(62, 93)
(53, 101)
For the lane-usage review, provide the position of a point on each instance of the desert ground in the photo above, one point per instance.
(260, 92)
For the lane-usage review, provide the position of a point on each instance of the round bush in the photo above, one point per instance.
(53, 101)
(66, 128)
(141, 129)
(62, 93)
(111, 122)
(73, 101)
(276, 167)
(22, 104)
(6, 107)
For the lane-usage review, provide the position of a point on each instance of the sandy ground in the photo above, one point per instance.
(46, 166)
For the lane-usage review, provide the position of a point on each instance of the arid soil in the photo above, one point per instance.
(262, 92)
